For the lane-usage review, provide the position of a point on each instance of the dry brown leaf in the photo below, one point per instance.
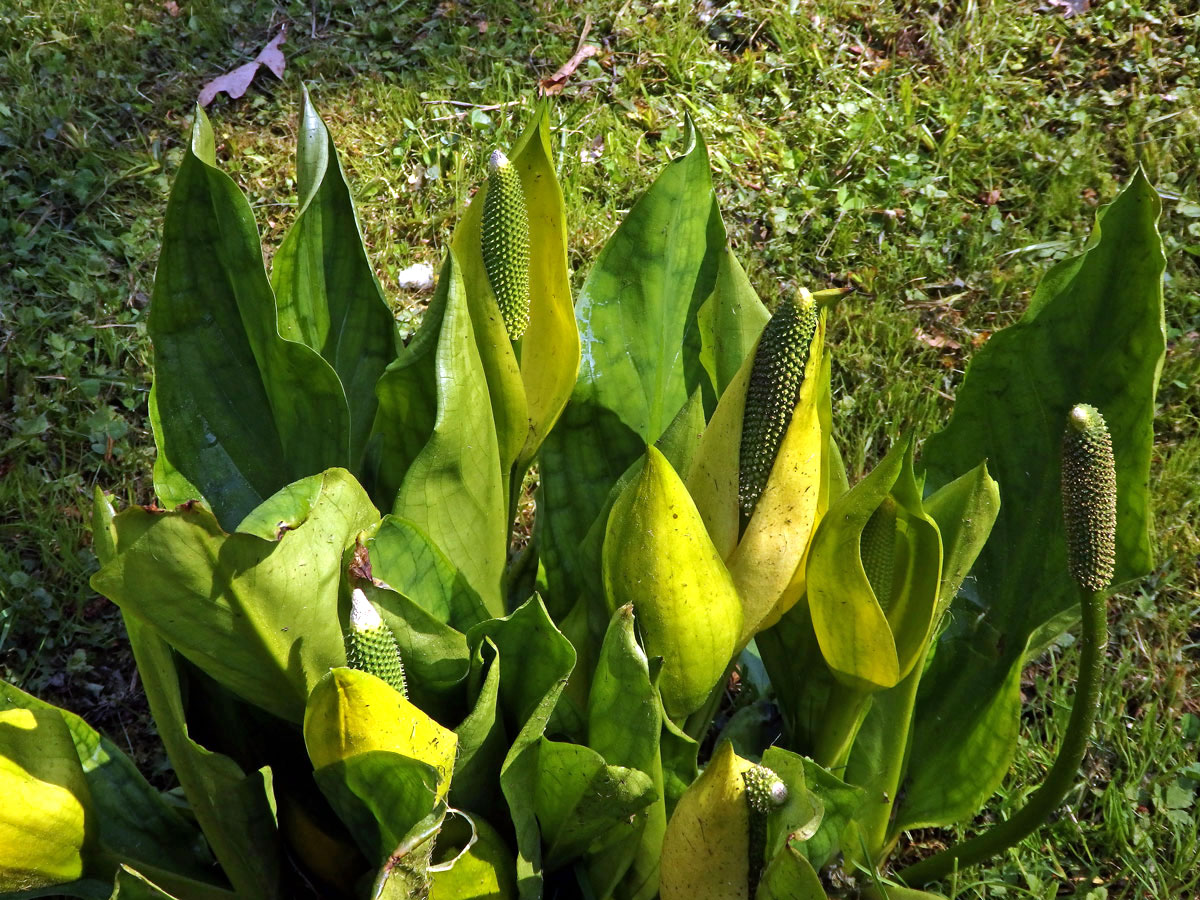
(556, 82)
(236, 82)
(939, 341)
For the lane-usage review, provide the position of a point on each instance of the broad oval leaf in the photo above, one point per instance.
(380, 796)
(326, 290)
(444, 470)
(1094, 334)
(258, 615)
(578, 799)
(658, 556)
(239, 410)
(640, 356)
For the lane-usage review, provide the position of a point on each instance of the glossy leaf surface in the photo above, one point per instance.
(578, 798)
(624, 726)
(441, 461)
(239, 410)
(258, 615)
(1093, 333)
(658, 557)
(326, 291)
(535, 662)
(640, 349)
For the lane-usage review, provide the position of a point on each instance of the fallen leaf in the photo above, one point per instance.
(936, 340)
(236, 82)
(556, 82)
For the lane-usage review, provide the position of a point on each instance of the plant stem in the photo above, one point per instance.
(698, 722)
(1062, 775)
(844, 713)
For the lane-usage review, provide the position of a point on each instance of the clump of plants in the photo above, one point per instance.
(366, 691)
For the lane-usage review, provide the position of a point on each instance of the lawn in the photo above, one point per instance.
(937, 158)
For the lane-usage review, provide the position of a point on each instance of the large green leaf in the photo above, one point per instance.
(236, 810)
(380, 796)
(407, 559)
(730, 321)
(482, 740)
(132, 821)
(624, 724)
(239, 410)
(258, 615)
(578, 799)
(536, 661)
(442, 471)
(1093, 333)
(790, 876)
(326, 291)
(637, 320)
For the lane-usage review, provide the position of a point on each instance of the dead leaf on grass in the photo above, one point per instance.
(940, 341)
(236, 82)
(556, 82)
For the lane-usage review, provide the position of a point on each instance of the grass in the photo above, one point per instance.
(938, 157)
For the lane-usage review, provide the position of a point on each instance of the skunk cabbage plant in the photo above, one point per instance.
(369, 686)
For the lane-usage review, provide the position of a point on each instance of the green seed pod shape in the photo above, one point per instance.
(877, 548)
(764, 792)
(370, 645)
(504, 238)
(764, 789)
(1089, 491)
(775, 379)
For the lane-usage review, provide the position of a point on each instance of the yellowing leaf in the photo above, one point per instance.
(658, 556)
(484, 871)
(44, 801)
(706, 853)
(871, 642)
(350, 713)
(767, 560)
(550, 349)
